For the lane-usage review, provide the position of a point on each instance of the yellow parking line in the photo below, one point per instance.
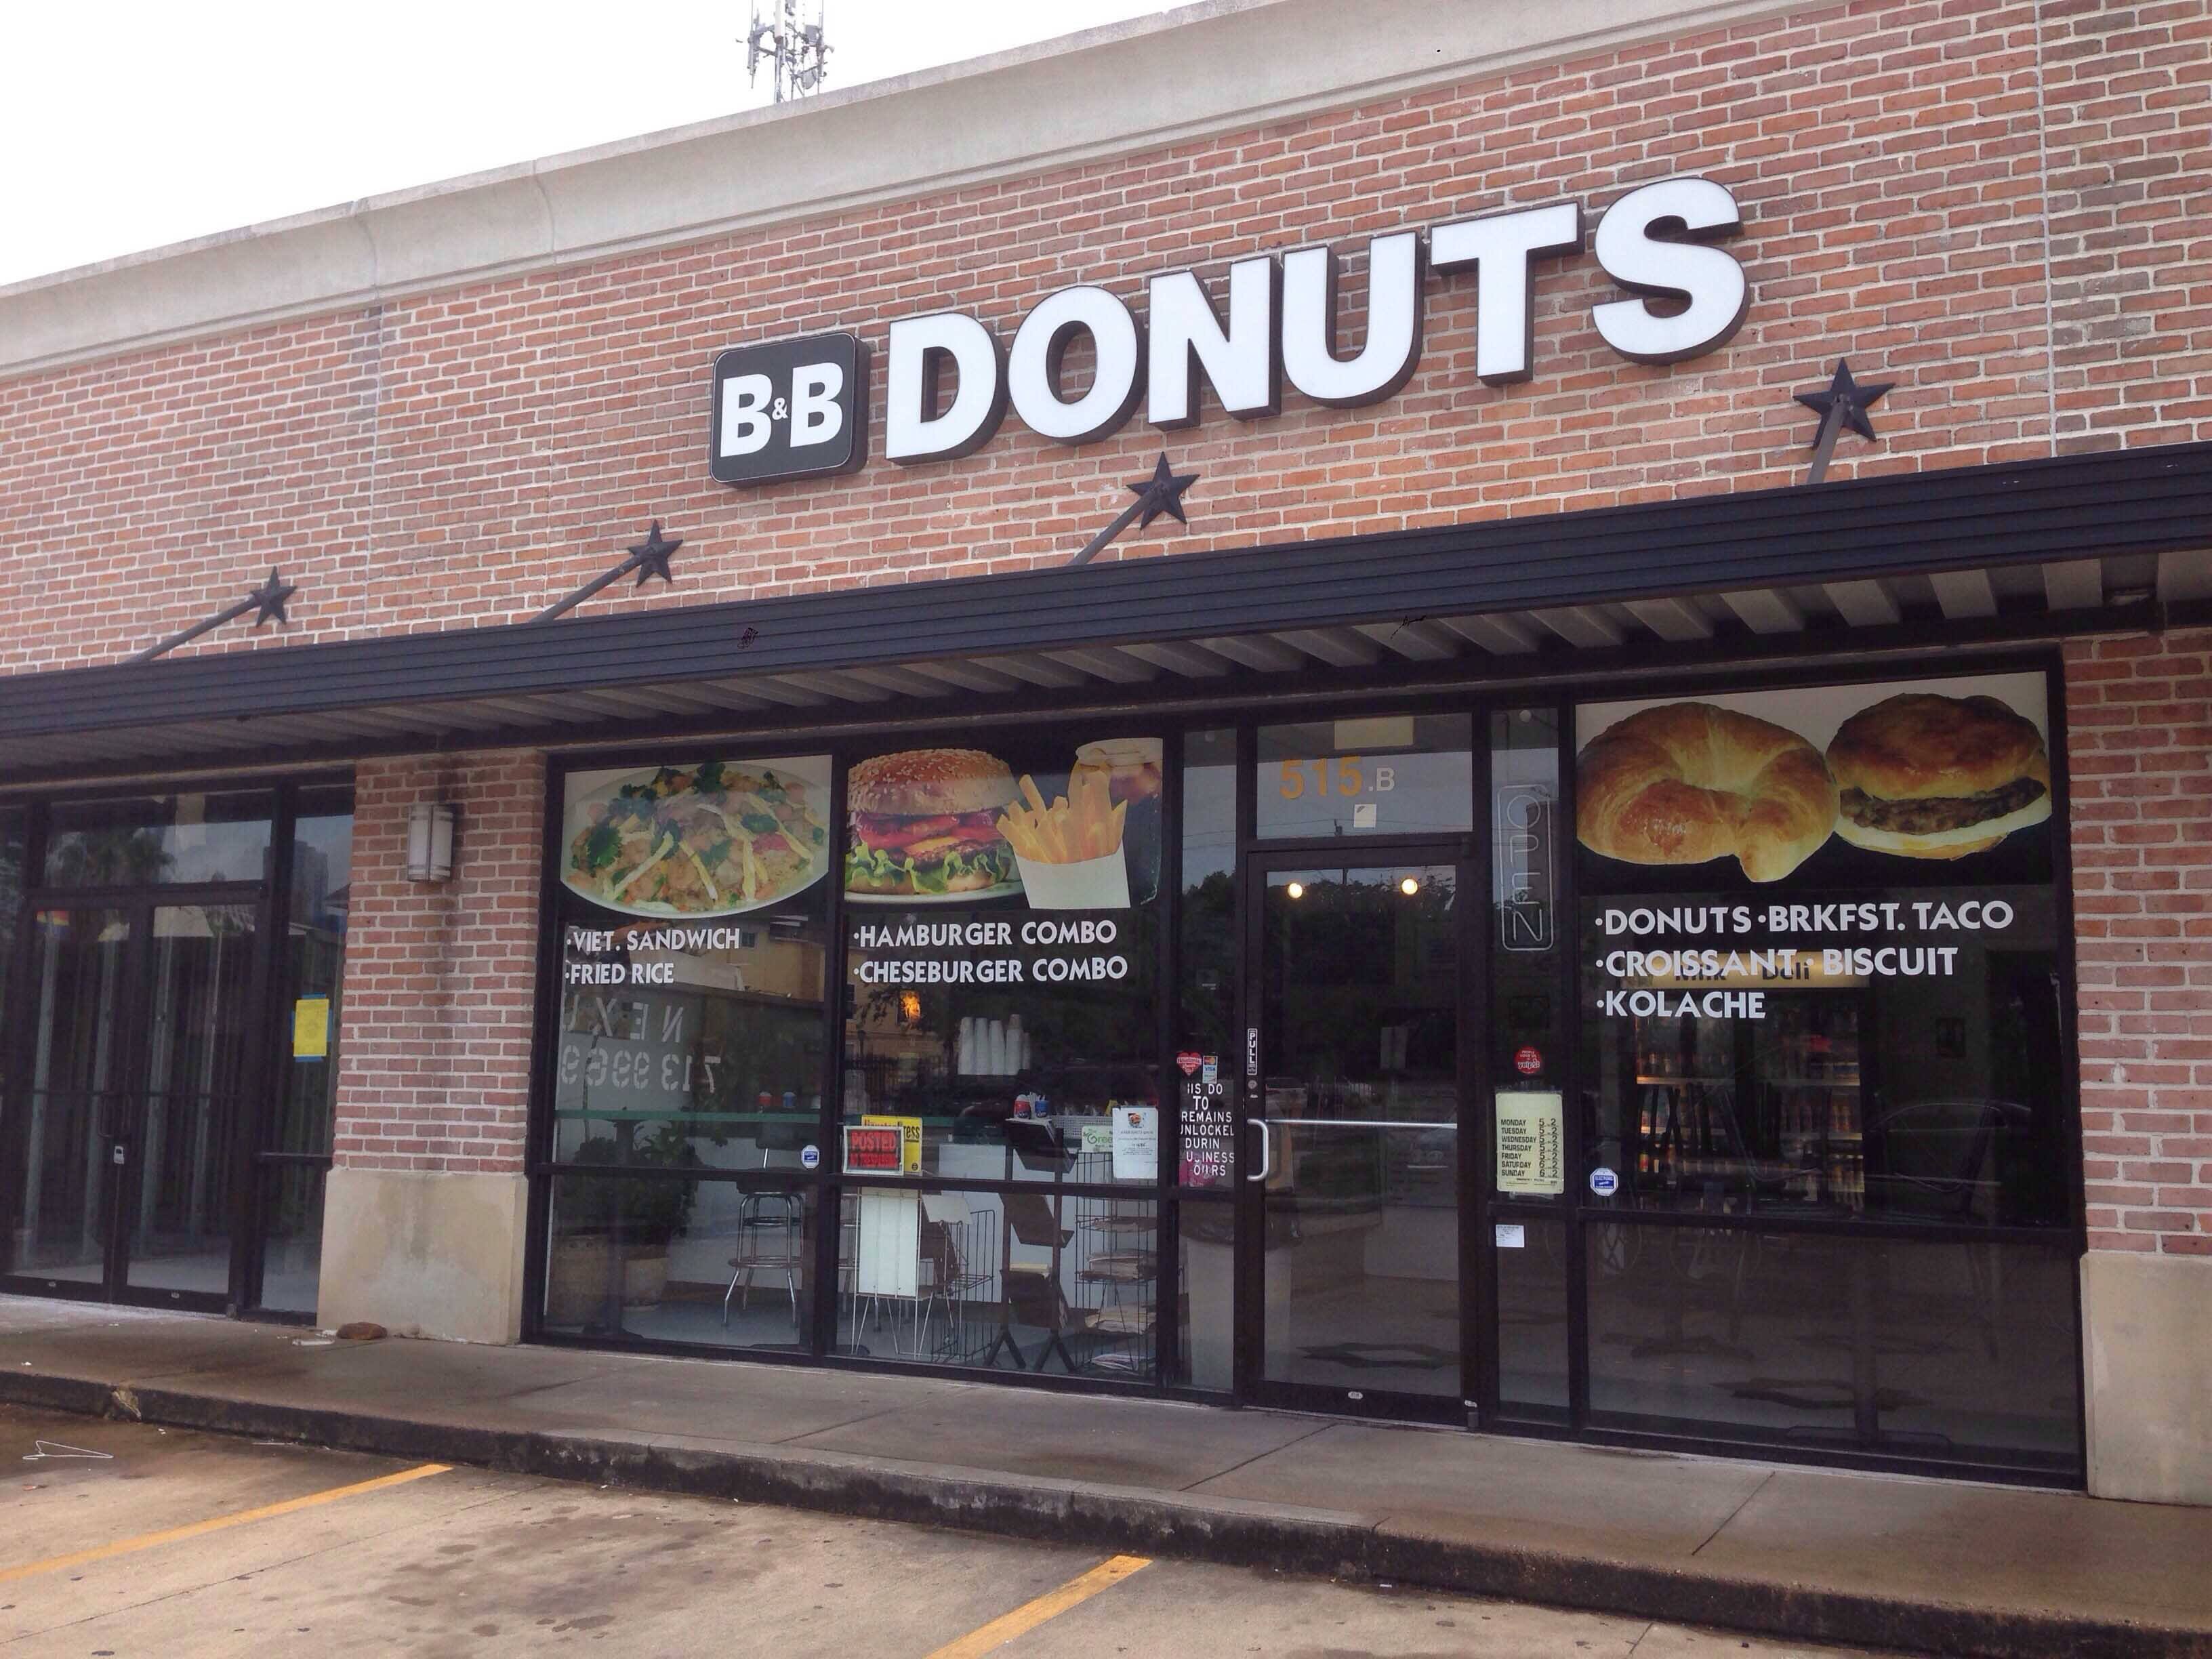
(199, 1529)
(1050, 1605)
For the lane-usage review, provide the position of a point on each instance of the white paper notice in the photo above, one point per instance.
(1136, 1143)
(1512, 1235)
(1531, 1145)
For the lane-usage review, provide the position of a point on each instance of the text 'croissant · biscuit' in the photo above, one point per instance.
(1689, 781)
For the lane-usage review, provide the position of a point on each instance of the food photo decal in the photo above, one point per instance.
(1916, 774)
(925, 823)
(709, 840)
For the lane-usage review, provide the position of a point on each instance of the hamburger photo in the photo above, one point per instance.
(1925, 776)
(924, 822)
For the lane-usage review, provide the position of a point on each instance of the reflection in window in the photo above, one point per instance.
(1391, 774)
(1952, 1350)
(649, 1257)
(693, 1047)
(1205, 1001)
(166, 839)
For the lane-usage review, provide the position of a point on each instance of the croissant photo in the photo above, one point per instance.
(1689, 782)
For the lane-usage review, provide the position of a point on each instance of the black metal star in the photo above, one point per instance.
(269, 599)
(266, 602)
(651, 555)
(1844, 404)
(1161, 492)
(648, 558)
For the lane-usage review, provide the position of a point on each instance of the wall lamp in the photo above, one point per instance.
(430, 841)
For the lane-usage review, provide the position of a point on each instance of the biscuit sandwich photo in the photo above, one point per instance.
(1925, 777)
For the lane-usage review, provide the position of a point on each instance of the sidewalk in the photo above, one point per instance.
(1881, 1561)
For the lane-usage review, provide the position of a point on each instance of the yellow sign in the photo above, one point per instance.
(909, 1130)
(311, 1029)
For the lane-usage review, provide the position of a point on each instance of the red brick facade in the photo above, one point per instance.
(434, 1073)
(1992, 203)
(1996, 204)
(2139, 716)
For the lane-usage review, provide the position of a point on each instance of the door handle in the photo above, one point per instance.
(1266, 1163)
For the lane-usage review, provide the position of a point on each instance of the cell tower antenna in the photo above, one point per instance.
(794, 45)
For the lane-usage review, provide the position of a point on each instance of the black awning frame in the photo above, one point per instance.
(2114, 502)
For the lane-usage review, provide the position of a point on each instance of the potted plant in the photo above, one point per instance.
(632, 1218)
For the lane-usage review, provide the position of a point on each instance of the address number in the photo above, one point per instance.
(1342, 776)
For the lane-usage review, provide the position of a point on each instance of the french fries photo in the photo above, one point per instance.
(1083, 824)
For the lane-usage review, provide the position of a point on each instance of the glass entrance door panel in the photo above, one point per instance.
(78, 1099)
(1358, 1010)
(182, 1155)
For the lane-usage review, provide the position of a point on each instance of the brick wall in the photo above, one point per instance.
(469, 456)
(436, 1074)
(2139, 712)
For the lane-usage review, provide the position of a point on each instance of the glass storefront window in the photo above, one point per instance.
(11, 906)
(1963, 1351)
(662, 1258)
(695, 927)
(1002, 959)
(169, 840)
(1532, 1317)
(1861, 1023)
(314, 968)
(1389, 774)
(1055, 1284)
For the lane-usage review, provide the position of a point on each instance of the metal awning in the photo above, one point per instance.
(1956, 558)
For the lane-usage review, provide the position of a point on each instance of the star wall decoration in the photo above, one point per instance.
(266, 602)
(649, 558)
(1844, 404)
(1161, 492)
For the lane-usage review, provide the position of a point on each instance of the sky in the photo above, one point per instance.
(132, 124)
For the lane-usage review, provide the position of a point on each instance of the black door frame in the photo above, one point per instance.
(127, 1136)
(1476, 1340)
(249, 1158)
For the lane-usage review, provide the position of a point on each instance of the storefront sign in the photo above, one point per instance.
(910, 1131)
(1209, 1134)
(873, 1149)
(1522, 835)
(1531, 1142)
(797, 408)
(794, 408)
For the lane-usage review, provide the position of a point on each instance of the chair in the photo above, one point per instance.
(770, 1228)
(1033, 1292)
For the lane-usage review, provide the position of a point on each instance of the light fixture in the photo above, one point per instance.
(430, 841)
(1409, 887)
(1297, 890)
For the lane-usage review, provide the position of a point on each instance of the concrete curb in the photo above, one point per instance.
(1325, 1543)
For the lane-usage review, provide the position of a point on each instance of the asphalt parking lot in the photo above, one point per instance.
(126, 1540)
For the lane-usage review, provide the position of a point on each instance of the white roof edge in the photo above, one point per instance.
(1104, 92)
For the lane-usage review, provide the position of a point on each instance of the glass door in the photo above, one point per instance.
(137, 1063)
(1352, 1235)
(76, 1098)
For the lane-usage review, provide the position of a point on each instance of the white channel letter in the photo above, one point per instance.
(744, 414)
(1708, 279)
(1187, 339)
(1392, 347)
(815, 416)
(1033, 366)
(1500, 246)
(914, 430)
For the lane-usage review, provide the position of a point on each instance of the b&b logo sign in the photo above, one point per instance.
(795, 408)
